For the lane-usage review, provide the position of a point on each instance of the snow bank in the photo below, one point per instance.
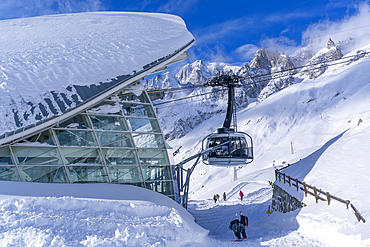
(122, 216)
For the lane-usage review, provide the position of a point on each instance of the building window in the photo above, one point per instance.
(43, 174)
(143, 125)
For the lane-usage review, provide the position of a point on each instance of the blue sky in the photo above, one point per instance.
(229, 31)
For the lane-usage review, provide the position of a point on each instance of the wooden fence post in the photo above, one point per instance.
(284, 177)
(296, 183)
(305, 189)
(328, 197)
(315, 192)
(347, 203)
(276, 171)
(288, 180)
(279, 177)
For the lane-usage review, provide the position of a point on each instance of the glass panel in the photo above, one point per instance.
(77, 122)
(114, 139)
(9, 173)
(109, 123)
(75, 156)
(135, 110)
(223, 150)
(148, 140)
(75, 138)
(115, 156)
(88, 174)
(106, 108)
(153, 156)
(43, 174)
(238, 147)
(37, 155)
(121, 174)
(144, 125)
(129, 96)
(163, 187)
(45, 138)
(157, 173)
(5, 156)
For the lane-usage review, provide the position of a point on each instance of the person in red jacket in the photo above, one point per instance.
(241, 195)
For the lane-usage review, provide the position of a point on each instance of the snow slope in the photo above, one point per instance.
(313, 125)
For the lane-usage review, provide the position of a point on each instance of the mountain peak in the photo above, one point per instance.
(263, 57)
(330, 44)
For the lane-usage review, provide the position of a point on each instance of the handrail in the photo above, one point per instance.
(306, 187)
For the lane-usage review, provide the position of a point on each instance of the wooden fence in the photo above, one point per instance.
(312, 190)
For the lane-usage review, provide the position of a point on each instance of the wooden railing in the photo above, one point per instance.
(312, 190)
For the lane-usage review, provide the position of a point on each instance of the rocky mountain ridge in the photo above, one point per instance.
(267, 73)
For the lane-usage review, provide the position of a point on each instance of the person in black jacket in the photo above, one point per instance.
(235, 225)
(244, 222)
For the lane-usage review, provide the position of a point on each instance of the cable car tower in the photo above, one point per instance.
(236, 148)
(227, 147)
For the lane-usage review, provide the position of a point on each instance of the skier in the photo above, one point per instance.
(218, 197)
(235, 225)
(241, 195)
(224, 195)
(244, 222)
(215, 198)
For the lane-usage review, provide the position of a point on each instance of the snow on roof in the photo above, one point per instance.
(50, 64)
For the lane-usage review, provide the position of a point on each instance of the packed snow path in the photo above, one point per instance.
(297, 228)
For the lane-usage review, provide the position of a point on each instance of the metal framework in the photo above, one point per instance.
(183, 186)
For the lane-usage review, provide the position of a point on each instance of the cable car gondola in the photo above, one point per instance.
(235, 148)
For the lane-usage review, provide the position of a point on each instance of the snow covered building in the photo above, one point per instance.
(63, 120)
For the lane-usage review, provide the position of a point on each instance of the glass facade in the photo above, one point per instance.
(116, 141)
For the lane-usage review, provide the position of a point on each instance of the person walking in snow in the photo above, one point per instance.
(241, 195)
(235, 225)
(218, 197)
(215, 198)
(224, 195)
(244, 222)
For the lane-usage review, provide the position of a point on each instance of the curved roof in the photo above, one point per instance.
(51, 64)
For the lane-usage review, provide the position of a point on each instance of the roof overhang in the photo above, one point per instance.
(177, 56)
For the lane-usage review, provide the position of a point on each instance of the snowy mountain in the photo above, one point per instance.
(267, 73)
(318, 125)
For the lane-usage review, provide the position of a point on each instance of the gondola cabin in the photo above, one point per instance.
(236, 148)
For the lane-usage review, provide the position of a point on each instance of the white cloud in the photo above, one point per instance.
(177, 6)
(286, 16)
(282, 44)
(26, 8)
(284, 31)
(219, 31)
(247, 51)
(356, 27)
